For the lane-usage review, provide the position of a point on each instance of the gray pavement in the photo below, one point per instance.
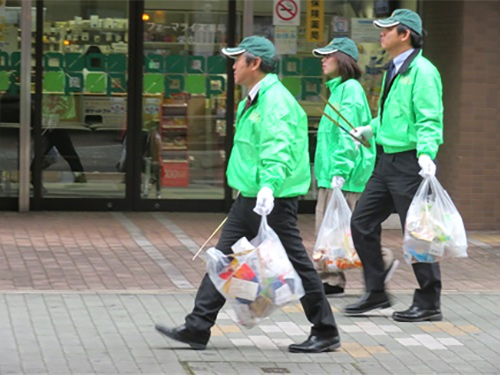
(112, 333)
(80, 294)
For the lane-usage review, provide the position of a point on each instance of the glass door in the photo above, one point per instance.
(10, 59)
(184, 100)
(84, 99)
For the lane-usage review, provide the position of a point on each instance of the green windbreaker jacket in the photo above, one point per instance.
(270, 144)
(412, 115)
(336, 153)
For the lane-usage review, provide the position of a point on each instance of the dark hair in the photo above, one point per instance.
(93, 49)
(348, 67)
(417, 41)
(264, 67)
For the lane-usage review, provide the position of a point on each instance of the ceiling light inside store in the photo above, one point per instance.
(145, 17)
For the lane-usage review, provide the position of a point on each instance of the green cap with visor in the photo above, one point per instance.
(344, 45)
(256, 45)
(404, 17)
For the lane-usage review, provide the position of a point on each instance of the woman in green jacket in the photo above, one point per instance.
(337, 162)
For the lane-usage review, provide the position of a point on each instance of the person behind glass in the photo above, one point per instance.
(54, 137)
(61, 140)
(338, 163)
(269, 166)
(409, 127)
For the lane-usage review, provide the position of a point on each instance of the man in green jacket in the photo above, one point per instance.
(409, 128)
(269, 166)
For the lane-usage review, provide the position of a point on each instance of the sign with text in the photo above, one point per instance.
(113, 111)
(285, 40)
(362, 31)
(315, 21)
(286, 12)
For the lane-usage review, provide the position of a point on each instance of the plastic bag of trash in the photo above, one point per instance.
(334, 249)
(434, 229)
(257, 278)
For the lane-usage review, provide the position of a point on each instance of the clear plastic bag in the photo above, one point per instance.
(434, 229)
(257, 278)
(334, 249)
(51, 157)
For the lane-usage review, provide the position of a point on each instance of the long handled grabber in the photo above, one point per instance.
(209, 238)
(364, 142)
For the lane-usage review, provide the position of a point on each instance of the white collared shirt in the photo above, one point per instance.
(400, 59)
(253, 92)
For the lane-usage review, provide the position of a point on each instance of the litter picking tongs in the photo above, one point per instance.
(363, 141)
(209, 238)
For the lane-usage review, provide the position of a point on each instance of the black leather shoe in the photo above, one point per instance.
(182, 334)
(333, 290)
(315, 344)
(416, 314)
(369, 301)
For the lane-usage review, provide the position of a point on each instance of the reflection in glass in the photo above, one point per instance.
(184, 100)
(84, 103)
(10, 58)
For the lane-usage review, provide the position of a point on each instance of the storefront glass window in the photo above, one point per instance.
(184, 99)
(84, 105)
(10, 58)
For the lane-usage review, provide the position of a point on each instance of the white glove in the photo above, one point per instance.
(427, 165)
(265, 202)
(365, 132)
(337, 182)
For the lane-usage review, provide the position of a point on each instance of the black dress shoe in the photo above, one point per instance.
(315, 344)
(333, 290)
(416, 314)
(182, 334)
(369, 301)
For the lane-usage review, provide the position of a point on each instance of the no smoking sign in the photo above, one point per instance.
(286, 12)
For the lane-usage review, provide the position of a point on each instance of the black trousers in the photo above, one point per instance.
(392, 186)
(243, 222)
(60, 139)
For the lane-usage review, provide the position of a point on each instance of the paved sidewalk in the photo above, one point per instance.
(80, 293)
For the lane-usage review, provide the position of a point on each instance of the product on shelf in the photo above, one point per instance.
(174, 134)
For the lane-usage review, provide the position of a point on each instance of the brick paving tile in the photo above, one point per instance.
(96, 251)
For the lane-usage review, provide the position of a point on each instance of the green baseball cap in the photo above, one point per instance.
(404, 17)
(256, 45)
(344, 45)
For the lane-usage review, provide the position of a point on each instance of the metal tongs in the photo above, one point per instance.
(363, 141)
